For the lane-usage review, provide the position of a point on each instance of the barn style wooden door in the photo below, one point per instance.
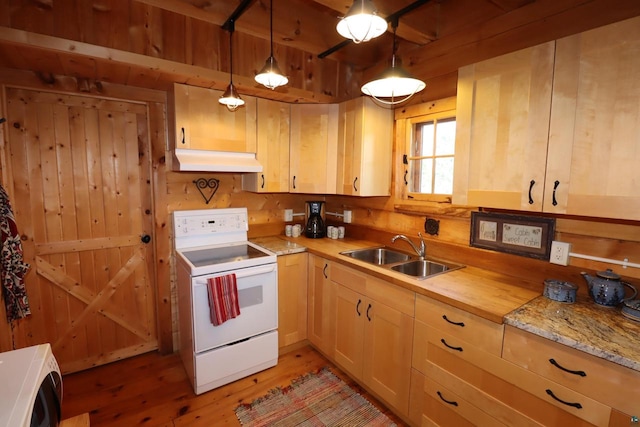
(81, 188)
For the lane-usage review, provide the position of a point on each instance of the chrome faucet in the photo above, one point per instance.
(420, 251)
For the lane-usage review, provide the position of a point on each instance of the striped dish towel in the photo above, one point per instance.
(223, 298)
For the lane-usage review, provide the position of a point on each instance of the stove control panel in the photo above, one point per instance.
(210, 223)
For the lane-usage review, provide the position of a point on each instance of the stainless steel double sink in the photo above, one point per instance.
(402, 262)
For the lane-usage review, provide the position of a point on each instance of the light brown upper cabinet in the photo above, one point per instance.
(313, 145)
(201, 122)
(274, 124)
(558, 135)
(502, 130)
(594, 137)
(365, 139)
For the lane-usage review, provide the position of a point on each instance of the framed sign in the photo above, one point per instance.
(514, 234)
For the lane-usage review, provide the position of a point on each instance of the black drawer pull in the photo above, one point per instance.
(444, 316)
(450, 402)
(531, 184)
(575, 405)
(451, 347)
(557, 365)
(368, 308)
(358, 307)
(324, 271)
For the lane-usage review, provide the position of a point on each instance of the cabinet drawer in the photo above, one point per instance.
(607, 382)
(482, 333)
(511, 384)
(394, 296)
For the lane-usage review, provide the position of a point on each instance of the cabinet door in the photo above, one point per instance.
(594, 138)
(292, 298)
(319, 299)
(387, 347)
(365, 137)
(273, 124)
(314, 138)
(202, 123)
(349, 309)
(502, 130)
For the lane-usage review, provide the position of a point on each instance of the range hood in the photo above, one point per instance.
(214, 161)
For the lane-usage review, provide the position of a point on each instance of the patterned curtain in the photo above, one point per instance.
(13, 266)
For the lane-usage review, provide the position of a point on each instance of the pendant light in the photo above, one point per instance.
(270, 75)
(231, 97)
(394, 82)
(361, 23)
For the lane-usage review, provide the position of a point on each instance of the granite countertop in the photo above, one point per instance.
(601, 331)
(278, 245)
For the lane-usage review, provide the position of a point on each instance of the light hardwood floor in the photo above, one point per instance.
(153, 390)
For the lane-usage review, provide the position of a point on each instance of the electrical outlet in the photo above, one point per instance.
(288, 215)
(560, 253)
(347, 217)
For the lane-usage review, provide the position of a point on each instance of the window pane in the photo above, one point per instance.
(426, 136)
(421, 176)
(446, 137)
(444, 176)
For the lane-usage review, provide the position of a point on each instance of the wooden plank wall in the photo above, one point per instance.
(136, 27)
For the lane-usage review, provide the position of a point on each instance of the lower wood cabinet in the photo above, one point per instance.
(320, 298)
(374, 334)
(292, 298)
(610, 385)
(480, 378)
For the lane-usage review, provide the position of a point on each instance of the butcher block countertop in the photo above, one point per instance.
(474, 290)
(586, 326)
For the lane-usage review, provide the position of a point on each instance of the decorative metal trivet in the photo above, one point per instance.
(203, 184)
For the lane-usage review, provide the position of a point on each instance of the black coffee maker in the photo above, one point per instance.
(315, 223)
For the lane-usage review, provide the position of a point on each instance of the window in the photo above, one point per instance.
(431, 158)
(425, 148)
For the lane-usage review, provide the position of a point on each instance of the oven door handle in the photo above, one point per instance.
(246, 272)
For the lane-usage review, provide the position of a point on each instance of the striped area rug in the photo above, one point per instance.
(313, 400)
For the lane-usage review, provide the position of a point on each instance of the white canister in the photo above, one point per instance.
(288, 230)
(341, 232)
(295, 232)
(329, 231)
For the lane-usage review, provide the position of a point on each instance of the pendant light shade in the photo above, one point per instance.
(394, 85)
(231, 97)
(361, 23)
(270, 75)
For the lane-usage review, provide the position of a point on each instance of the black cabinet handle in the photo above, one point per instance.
(294, 182)
(405, 177)
(262, 175)
(450, 402)
(358, 307)
(183, 137)
(531, 184)
(324, 271)
(450, 346)
(461, 324)
(368, 308)
(555, 187)
(557, 365)
(575, 405)
(354, 184)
